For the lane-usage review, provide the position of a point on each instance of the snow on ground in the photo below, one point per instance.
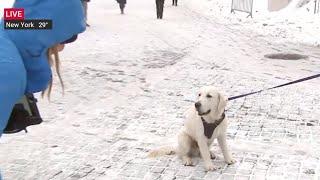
(129, 80)
(293, 23)
(5, 4)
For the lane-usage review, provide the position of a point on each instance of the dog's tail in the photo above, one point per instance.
(167, 150)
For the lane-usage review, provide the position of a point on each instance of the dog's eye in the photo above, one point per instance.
(199, 95)
(209, 96)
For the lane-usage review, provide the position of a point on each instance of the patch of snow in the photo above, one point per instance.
(295, 23)
(5, 4)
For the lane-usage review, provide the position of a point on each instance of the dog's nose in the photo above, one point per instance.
(197, 105)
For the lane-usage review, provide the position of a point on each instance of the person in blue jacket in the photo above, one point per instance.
(24, 66)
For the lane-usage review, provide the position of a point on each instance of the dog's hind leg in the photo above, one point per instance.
(196, 152)
(184, 148)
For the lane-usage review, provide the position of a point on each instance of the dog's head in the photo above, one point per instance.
(210, 102)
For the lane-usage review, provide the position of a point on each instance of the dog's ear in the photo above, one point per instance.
(221, 104)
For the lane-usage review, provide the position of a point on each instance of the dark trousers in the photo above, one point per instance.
(122, 5)
(160, 4)
(174, 2)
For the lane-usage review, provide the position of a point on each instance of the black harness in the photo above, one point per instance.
(210, 127)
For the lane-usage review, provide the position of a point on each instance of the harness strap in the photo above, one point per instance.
(210, 127)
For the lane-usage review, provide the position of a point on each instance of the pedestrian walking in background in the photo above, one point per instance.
(122, 4)
(174, 2)
(159, 4)
(85, 9)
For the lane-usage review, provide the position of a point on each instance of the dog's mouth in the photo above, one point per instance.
(204, 113)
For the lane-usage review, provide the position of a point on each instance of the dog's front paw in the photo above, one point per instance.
(210, 167)
(187, 161)
(231, 161)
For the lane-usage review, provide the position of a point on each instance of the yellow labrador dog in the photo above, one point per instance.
(205, 121)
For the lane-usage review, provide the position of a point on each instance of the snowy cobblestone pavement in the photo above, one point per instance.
(130, 78)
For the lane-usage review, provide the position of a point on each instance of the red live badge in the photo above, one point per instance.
(13, 14)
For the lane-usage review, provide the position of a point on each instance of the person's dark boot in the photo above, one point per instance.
(17, 121)
(24, 114)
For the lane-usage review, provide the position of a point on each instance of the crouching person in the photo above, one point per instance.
(13, 78)
(26, 56)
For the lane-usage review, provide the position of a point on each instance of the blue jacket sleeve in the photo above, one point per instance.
(68, 20)
(12, 77)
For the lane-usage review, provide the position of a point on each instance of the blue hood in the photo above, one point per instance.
(68, 20)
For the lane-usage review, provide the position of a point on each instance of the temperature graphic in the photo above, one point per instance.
(28, 24)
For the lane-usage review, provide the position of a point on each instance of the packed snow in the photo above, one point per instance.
(295, 23)
(5, 4)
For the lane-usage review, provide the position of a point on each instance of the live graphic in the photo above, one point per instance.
(14, 18)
